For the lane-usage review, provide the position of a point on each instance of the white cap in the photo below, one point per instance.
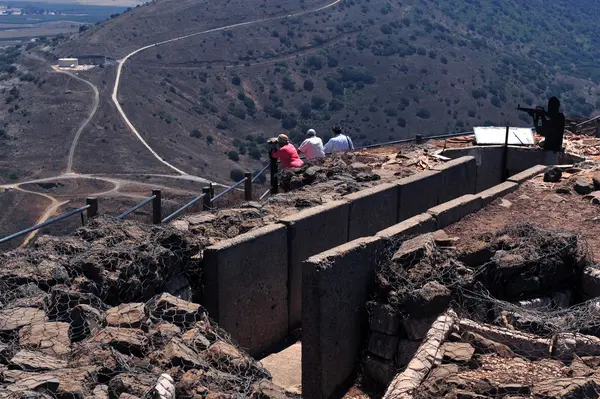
(311, 132)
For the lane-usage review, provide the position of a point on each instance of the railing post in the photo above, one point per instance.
(207, 197)
(274, 182)
(419, 139)
(248, 187)
(92, 211)
(505, 156)
(156, 207)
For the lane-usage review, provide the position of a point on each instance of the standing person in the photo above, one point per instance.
(553, 126)
(287, 154)
(312, 147)
(338, 143)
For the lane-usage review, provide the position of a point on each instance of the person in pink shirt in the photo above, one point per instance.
(287, 154)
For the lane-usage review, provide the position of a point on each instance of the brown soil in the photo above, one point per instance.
(537, 203)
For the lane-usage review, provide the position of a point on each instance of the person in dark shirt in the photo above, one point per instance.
(553, 126)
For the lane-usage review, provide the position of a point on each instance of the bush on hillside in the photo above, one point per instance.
(236, 175)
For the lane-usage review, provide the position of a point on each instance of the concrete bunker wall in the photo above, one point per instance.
(335, 293)
(489, 161)
(253, 283)
(245, 281)
(308, 233)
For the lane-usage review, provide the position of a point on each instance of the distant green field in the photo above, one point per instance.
(70, 12)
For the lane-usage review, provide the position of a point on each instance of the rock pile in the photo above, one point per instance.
(520, 278)
(87, 316)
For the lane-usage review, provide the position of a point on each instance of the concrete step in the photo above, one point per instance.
(286, 368)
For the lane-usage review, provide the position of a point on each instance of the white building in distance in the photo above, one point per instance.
(67, 62)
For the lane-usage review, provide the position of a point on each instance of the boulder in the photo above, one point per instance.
(72, 382)
(432, 299)
(266, 389)
(125, 340)
(484, 345)
(412, 251)
(131, 315)
(191, 384)
(227, 357)
(13, 319)
(34, 382)
(384, 319)
(383, 345)
(36, 361)
(576, 387)
(177, 354)
(85, 321)
(596, 180)
(87, 354)
(51, 338)
(163, 331)
(553, 175)
(137, 384)
(442, 239)
(590, 282)
(195, 339)
(100, 392)
(62, 301)
(174, 310)
(458, 352)
(583, 186)
(18, 271)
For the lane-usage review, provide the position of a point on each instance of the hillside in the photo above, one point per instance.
(252, 69)
(384, 71)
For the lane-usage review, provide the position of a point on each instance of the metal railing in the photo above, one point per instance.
(91, 208)
(156, 199)
(183, 208)
(207, 192)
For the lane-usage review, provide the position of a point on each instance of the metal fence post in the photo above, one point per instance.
(207, 197)
(419, 139)
(505, 156)
(274, 182)
(248, 187)
(92, 211)
(156, 207)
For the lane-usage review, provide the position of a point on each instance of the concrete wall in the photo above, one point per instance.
(372, 210)
(246, 291)
(458, 177)
(488, 161)
(310, 232)
(417, 193)
(253, 283)
(336, 286)
(335, 289)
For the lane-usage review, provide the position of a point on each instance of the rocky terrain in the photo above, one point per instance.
(88, 316)
(515, 317)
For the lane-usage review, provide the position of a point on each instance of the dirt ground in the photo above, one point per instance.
(538, 203)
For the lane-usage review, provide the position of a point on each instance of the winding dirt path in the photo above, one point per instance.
(86, 122)
(122, 62)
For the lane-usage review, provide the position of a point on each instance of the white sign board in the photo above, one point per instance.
(497, 135)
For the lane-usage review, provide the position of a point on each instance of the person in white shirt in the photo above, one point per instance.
(338, 143)
(312, 147)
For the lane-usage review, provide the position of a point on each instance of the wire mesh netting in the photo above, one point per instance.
(108, 312)
(511, 316)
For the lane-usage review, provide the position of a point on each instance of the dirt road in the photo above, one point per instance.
(86, 122)
(122, 62)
